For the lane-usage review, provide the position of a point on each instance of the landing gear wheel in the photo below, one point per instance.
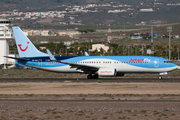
(160, 77)
(96, 76)
(89, 76)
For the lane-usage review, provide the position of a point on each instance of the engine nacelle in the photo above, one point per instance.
(107, 72)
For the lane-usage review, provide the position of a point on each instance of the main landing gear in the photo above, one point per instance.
(95, 76)
(160, 77)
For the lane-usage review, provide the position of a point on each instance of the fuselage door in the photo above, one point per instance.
(156, 63)
(40, 63)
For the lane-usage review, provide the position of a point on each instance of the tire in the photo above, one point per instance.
(96, 76)
(89, 76)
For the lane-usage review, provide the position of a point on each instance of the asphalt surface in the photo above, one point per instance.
(89, 80)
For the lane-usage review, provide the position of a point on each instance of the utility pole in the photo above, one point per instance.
(4, 47)
(169, 29)
(178, 53)
(128, 50)
(166, 51)
(151, 33)
(142, 50)
(109, 38)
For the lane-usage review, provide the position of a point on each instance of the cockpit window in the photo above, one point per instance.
(167, 61)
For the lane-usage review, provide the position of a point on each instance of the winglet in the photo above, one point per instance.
(86, 54)
(50, 55)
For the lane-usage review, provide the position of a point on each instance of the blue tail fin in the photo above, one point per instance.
(25, 46)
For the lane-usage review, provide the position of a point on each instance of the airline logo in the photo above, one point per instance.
(23, 50)
(140, 60)
(106, 71)
(147, 60)
(136, 60)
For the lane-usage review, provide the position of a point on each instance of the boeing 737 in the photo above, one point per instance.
(94, 66)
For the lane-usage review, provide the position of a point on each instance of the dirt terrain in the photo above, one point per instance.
(49, 100)
(89, 110)
(88, 88)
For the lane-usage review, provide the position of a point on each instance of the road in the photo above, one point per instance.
(118, 30)
(133, 101)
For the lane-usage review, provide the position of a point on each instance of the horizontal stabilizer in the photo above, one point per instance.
(17, 58)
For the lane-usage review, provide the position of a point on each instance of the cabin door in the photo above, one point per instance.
(156, 63)
(40, 63)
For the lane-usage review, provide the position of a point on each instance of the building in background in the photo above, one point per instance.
(5, 35)
(98, 47)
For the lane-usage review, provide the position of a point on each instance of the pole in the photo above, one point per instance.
(169, 29)
(166, 51)
(169, 45)
(4, 47)
(178, 53)
(128, 50)
(142, 50)
(151, 34)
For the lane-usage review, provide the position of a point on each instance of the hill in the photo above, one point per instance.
(164, 11)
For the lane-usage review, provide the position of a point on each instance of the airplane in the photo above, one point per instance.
(94, 66)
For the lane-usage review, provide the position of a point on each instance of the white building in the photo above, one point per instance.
(146, 10)
(98, 47)
(45, 33)
(69, 33)
(5, 36)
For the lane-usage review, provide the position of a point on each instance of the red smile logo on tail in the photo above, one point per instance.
(23, 50)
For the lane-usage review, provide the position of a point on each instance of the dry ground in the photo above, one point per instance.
(88, 111)
(88, 88)
(62, 110)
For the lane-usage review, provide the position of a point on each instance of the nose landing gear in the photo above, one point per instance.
(95, 76)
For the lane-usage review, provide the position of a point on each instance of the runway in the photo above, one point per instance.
(93, 101)
(89, 80)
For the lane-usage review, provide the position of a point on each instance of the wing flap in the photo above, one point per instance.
(81, 66)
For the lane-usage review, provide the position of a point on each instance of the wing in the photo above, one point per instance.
(79, 67)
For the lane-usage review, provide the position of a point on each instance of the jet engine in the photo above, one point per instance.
(107, 72)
